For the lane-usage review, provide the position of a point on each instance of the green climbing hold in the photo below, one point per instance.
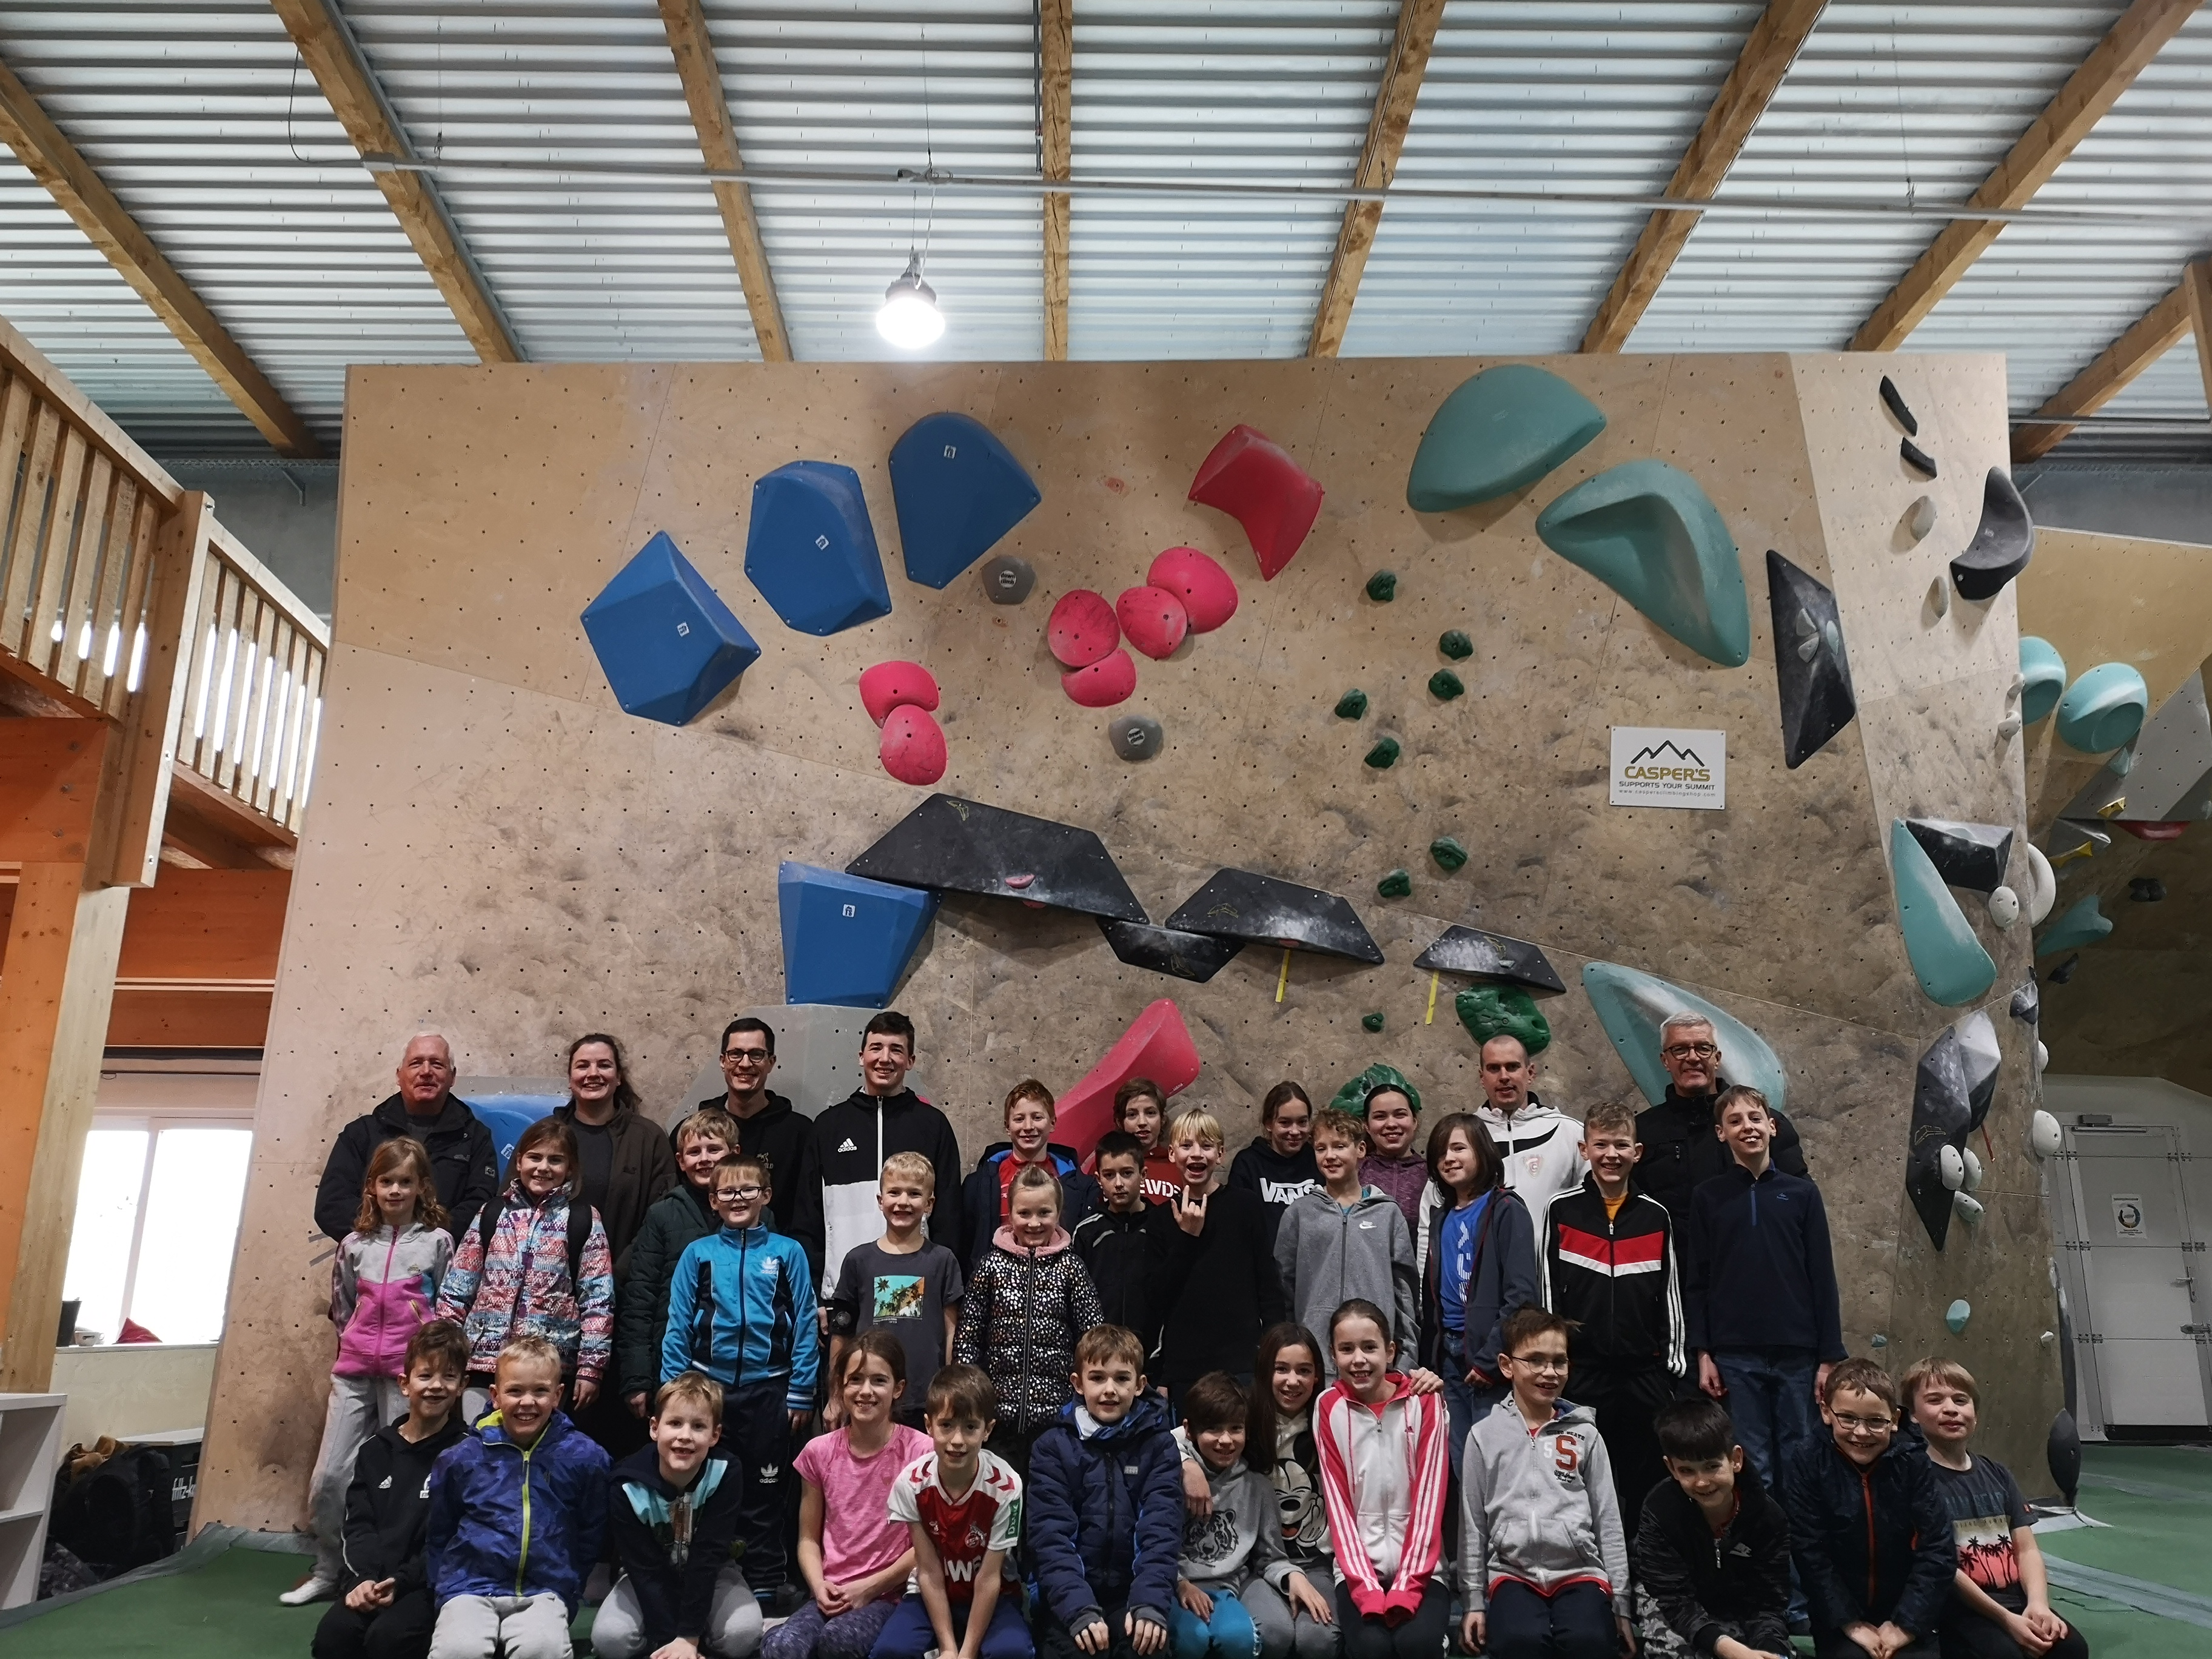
(1507, 427)
(2103, 709)
(1382, 586)
(2084, 924)
(1446, 685)
(1448, 852)
(2044, 671)
(1352, 1098)
(1351, 705)
(1397, 884)
(1372, 1022)
(1946, 958)
(1384, 754)
(1495, 1011)
(1454, 644)
(1649, 532)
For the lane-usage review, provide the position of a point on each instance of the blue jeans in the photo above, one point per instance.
(1465, 1405)
(1770, 1399)
(1230, 1634)
(907, 1633)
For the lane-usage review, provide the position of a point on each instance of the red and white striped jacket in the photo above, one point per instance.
(1382, 1475)
(1615, 1277)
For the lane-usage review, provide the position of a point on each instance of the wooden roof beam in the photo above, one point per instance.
(1394, 99)
(2109, 70)
(2196, 282)
(688, 39)
(1768, 51)
(335, 60)
(1056, 158)
(2147, 339)
(81, 192)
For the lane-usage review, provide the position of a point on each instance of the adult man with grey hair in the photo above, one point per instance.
(463, 1164)
(1682, 1144)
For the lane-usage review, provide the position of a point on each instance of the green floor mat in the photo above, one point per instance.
(2118, 1632)
(226, 1608)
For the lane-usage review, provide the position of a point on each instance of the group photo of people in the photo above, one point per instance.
(1388, 1382)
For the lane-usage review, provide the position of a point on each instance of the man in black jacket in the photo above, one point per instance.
(1680, 1138)
(770, 1127)
(463, 1164)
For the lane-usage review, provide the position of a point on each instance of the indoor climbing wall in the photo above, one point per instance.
(1339, 721)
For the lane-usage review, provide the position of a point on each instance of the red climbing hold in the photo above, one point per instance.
(891, 685)
(1081, 628)
(2151, 830)
(1206, 589)
(1153, 619)
(912, 746)
(1102, 683)
(1157, 1045)
(1254, 480)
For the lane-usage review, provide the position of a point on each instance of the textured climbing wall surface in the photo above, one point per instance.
(497, 850)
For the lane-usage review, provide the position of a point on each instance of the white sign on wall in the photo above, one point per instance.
(1660, 766)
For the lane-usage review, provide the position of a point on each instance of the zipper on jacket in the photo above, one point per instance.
(522, 1560)
(1866, 1491)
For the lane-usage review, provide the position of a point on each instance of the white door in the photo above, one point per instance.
(2145, 1343)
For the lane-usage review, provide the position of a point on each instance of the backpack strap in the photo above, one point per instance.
(579, 1234)
(488, 1221)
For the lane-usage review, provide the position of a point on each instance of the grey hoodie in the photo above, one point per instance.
(1539, 1506)
(1242, 1539)
(1327, 1254)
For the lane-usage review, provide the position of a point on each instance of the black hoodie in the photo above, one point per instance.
(1276, 1181)
(672, 1551)
(463, 1164)
(1681, 1149)
(388, 1514)
(780, 1134)
(1698, 1582)
(851, 1141)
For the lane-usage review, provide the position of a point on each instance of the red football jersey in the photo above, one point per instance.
(987, 1516)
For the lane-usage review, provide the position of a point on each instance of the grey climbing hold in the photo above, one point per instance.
(1493, 959)
(1007, 580)
(1920, 517)
(1939, 596)
(1969, 1207)
(1135, 737)
(1895, 399)
(1454, 644)
(1240, 904)
(1448, 852)
(1957, 1315)
(2004, 908)
(1650, 533)
(1382, 586)
(2085, 923)
(1916, 458)
(2146, 889)
(2026, 1005)
(1971, 1181)
(1969, 855)
(1384, 754)
(1194, 956)
(2004, 541)
(2065, 971)
(1445, 685)
(1351, 705)
(1397, 884)
(1811, 675)
(1953, 1088)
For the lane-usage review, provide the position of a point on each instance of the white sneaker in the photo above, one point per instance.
(313, 1588)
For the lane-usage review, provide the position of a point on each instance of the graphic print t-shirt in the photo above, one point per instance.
(986, 1517)
(904, 1295)
(1458, 1265)
(1985, 1506)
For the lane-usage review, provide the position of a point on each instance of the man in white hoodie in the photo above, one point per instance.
(1541, 1148)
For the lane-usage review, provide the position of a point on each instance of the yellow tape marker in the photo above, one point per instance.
(1283, 979)
(1432, 1016)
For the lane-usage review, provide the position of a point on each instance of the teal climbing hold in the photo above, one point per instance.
(2085, 923)
(1454, 644)
(1648, 532)
(1631, 1006)
(1507, 427)
(1384, 754)
(1495, 1011)
(1397, 884)
(1957, 1315)
(2044, 672)
(1946, 958)
(1448, 852)
(1446, 685)
(1372, 1022)
(1382, 586)
(1351, 705)
(2103, 709)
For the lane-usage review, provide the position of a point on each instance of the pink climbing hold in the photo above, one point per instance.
(1081, 628)
(1254, 480)
(891, 685)
(1207, 591)
(1154, 619)
(912, 746)
(1102, 683)
(1157, 1046)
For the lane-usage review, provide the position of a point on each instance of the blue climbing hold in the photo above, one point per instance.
(1648, 532)
(2084, 923)
(847, 940)
(2045, 671)
(810, 549)
(1506, 428)
(1632, 1005)
(1946, 958)
(665, 639)
(1957, 1315)
(2103, 709)
(958, 490)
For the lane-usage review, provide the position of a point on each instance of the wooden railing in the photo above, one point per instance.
(121, 595)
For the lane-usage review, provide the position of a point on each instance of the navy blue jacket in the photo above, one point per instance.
(979, 1199)
(1761, 1272)
(1503, 1278)
(507, 1521)
(672, 1568)
(1871, 1544)
(1105, 1517)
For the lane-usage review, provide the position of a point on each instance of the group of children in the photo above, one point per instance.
(1127, 1438)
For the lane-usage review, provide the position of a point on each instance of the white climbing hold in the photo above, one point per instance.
(1939, 596)
(2004, 906)
(2045, 1138)
(2042, 886)
(2008, 728)
(1972, 1183)
(1951, 1166)
(1920, 517)
(1969, 1209)
(2042, 1060)
(2049, 1339)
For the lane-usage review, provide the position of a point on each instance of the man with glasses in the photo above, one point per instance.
(1680, 1137)
(770, 1127)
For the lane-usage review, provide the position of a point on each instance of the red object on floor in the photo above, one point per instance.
(1081, 628)
(1154, 619)
(2152, 831)
(1102, 684)
(132, 1331)
(1254, 480)
(1207, 591)
(912, 746)
(891, 685)
(1157, 1045)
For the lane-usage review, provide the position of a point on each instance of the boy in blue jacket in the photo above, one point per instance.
(1106, 1509)
(741, 1310)
(518, 1512)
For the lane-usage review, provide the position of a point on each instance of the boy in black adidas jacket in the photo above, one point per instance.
(1711, 1549)
(1608, 1263)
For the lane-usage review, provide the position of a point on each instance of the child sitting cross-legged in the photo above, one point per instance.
(1711, 1553)
(672, 1517)
(1868, 1529)
(517, 1513)
(1237, 1587)
(1542, 1560)
(2000, 1602)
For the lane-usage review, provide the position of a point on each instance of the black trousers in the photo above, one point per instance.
(1834, 1644)
(1624, 1405)
(1575, 1622)
(401, 1630)
(1421, 1637)
(1966, 1634)
(757, 1429)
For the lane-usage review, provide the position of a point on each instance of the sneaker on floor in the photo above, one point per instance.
(784, 1601)
(313, 1588)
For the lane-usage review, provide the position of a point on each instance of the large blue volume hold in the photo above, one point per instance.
(847, 940)
(810, 549)
(958, 490)
(665, 639)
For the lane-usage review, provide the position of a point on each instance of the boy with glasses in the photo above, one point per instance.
(769, 1125)
(1681, 1148)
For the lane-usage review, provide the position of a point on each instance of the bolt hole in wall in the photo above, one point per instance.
(2131, 1207)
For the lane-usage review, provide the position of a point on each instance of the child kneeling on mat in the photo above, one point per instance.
(1712, 1551)
(672, 1516)
(517, 1513)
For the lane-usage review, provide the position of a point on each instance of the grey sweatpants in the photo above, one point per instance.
(360, 1406)
(502, 1627)
(734, 1621)
(1284, 1632)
